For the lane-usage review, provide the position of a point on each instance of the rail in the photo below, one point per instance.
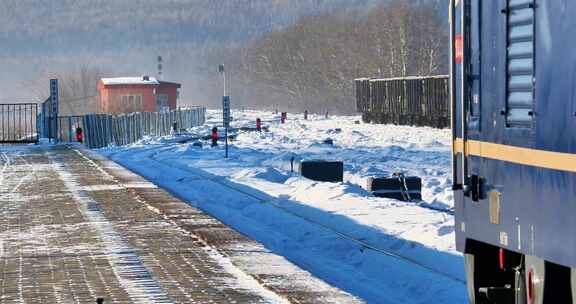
(363, 244)
(18, 123)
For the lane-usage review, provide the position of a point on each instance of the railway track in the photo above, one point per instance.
(271, 202)
(243, 256)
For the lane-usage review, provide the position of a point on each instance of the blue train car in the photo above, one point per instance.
(513, 99)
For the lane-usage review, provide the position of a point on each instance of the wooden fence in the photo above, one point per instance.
(102, 130)
(418, 101)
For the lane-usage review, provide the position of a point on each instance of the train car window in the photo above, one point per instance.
(520, 63)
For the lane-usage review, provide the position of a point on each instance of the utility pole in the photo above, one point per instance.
(160, 61)
(223, 72)
(225, 109)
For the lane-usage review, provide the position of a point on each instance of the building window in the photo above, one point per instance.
(131, 103)
(520, 63)
(162, 102)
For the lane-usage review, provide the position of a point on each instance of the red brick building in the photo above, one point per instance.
(137, 94)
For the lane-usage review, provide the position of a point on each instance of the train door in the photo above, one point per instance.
(497, 104)
(472, 94)
(498, 85)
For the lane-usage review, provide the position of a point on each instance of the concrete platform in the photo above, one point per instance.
(75, 226)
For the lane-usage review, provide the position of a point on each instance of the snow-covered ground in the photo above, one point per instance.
(383, 250)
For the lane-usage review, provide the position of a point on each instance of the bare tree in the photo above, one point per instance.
(77, 88)
(310, 66)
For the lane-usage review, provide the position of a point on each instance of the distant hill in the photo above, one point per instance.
(39, 38)
(53, 26)
(44, 37)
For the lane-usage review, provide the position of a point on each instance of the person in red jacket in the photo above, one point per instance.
(79, 135)
(214, 137)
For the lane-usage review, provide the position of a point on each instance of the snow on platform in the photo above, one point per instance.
(384, 251)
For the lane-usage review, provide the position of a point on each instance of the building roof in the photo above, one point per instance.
(130, 80)
(168, 83)
(403, 78)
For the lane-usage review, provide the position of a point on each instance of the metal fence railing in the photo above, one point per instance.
(18, 123)
(101, 130)
(419, 101)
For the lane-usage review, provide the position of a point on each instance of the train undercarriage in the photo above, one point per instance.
(496, 275)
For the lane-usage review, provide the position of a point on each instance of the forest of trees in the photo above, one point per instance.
(311, 65)
(279, 54)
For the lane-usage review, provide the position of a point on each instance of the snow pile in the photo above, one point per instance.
(379, 249)
(129, 81)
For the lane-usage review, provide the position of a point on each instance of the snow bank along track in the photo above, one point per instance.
(267, 200)
(74, 228)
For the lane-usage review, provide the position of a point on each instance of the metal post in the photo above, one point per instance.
(160, 67)
(452, 13)
(70, 137)
(226, 120)
(463, 106)
(11, 128)
(19, 122)
(37, 139)
(2, 123)
(223, 72)
(54, 100)
(225, 109)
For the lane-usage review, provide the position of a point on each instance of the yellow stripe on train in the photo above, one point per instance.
(518, 155)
